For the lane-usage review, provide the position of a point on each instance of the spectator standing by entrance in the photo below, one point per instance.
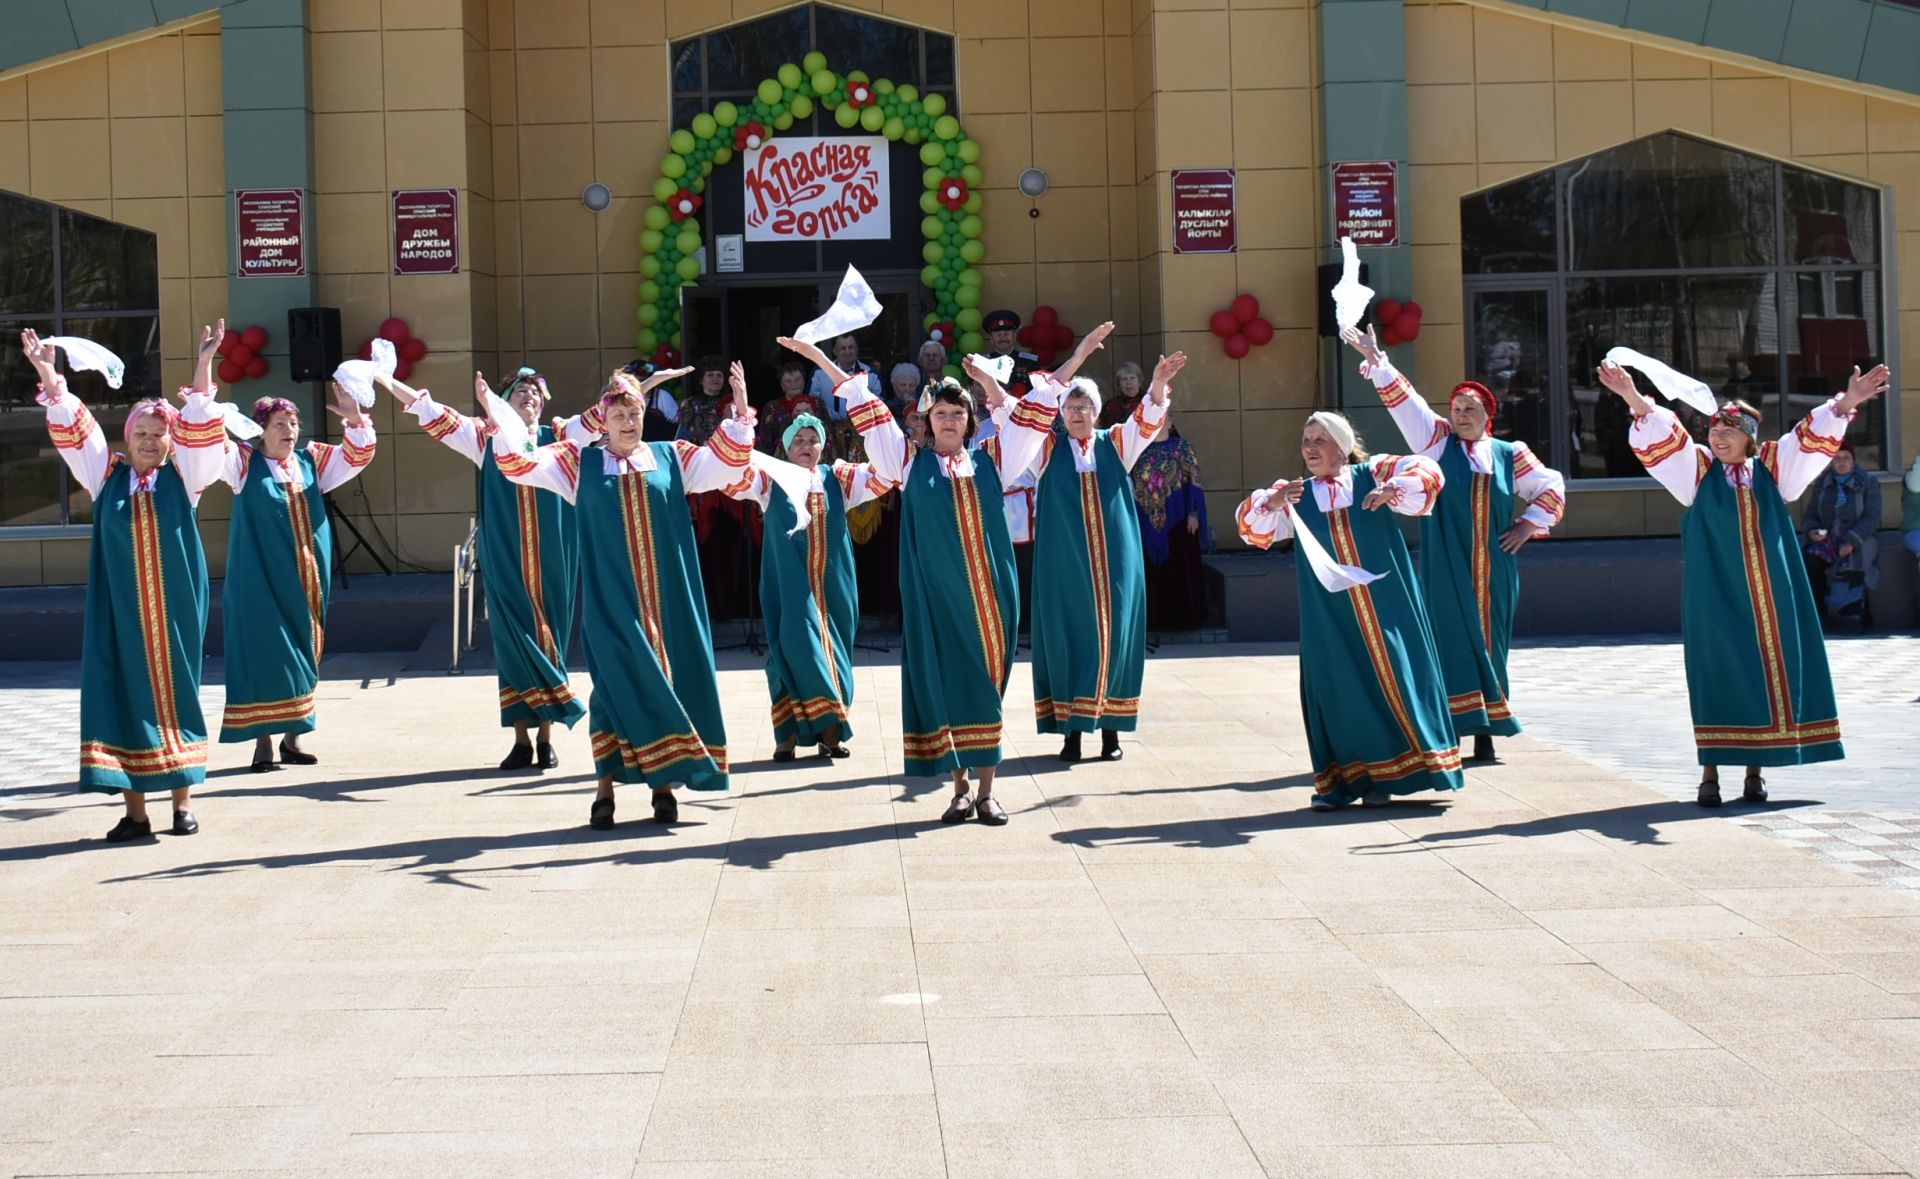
(846, 355)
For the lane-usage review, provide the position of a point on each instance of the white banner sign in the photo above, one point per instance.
(818, 190)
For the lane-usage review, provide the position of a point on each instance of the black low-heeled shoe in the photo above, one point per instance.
(266, 766)
(1070, 748)
(600, 818)
(1110, 745)
(545, 757)
(129, 829)
(184, 823)
(834, 751)
(1482, 748)
(666, 808)
(783, 755)
(519, 758)
(959, 810)
(296, 757)
(1755, 789)
(1709, 795)
(989, 811)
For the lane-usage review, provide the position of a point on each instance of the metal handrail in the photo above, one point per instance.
(466, 573)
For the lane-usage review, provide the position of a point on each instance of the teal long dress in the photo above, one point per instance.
(141, 726)
(1757, 674)
(1371, 689)
(654, 714)
(1089, 602)
(274, 605)
(1472, 586)
(960, 608)
(811, 603)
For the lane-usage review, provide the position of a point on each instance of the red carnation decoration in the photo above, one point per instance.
(953, 193)
(859, 94)
(943, 333)
(684, 204)
(748, 137)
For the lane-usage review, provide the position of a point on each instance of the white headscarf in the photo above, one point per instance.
(1338, 428)
(1083, 385)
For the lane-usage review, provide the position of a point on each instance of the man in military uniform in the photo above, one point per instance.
(1002, 328)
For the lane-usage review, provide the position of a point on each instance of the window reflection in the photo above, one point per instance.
(1669, 201)
(1509, 228)
(737, 59)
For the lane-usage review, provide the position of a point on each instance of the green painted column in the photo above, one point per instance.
(1363, 70)
(266, 83)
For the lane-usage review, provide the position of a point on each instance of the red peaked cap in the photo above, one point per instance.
(1480, 393)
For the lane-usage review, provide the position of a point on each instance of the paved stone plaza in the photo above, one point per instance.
(396, 964)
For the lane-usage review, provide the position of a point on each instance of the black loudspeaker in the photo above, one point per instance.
(1329, 277)
(313, 342)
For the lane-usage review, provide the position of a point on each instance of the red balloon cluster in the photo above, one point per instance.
(408, 350)
(1240, 327)
(664, 357)
(1399, 323)
(240, 357)
(1046, 335)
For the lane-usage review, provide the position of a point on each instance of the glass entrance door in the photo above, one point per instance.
(1510, 343)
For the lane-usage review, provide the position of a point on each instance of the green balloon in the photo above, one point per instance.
(845, 115)
(972, 175)
(930, 204)
(972, 252)
(952, 370)
(801, 106)
(790, 75)
(951, 166)
(933, 252)
(949, 240)
(769, 91)
(931, 228)
(929, 276)
(971, 342)
(873, 118)
(655, 217)
(682, 142)
(706, 166)
(687, 268)
(946, 127)
(928, 320)
(931, 178)
(650, 265)
(673, 167)
(906, 94)
(969, 151)
(932, 154)
(858, 76)
(883, 86)
(969, 318)
(913, 134)
(970, 278)
(688, 242)
(704, 126)
(788, 94)
(646, 314)
(814, 62)
(893, 128)
(782, 121)
(651, 240)
(673, 341)
(726, 114)
(968, 297)
(935, 105)
(649, 291)
(721, 155)
(824, 82)
(952, 263)
(975, 202)
(664, 188)
(970, 227)
(646, 340)
(698, 186)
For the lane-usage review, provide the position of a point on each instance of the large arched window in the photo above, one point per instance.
(1761, 278)
(65, 273)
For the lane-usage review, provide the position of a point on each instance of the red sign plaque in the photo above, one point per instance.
(1203, 211)
(426, 231)
(1366, 203)
(272, 241)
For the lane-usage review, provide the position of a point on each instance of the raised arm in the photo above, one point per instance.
(1408, 484)
(459, 432)
(1426, 432)
(1090, 343)
(1023, 439)
(202, 452)
(886, 446)
(1798, 459)
(859, 482)
(337, 465)
(1132, 436)
(721, 465)
(1262, 519)
(76, 435)
(1659, 441)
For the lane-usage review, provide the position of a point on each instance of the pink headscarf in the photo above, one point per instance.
(266, 407)
(149, 409)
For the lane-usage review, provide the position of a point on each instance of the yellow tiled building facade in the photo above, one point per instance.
(520, 104)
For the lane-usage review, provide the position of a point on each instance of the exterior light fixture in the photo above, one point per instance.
(1033, 182)
(596, 197)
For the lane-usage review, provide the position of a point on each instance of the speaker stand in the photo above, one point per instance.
(341, 520)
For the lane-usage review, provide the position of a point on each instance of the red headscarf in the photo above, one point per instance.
(1480, 393)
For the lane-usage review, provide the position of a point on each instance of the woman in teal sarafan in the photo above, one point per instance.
(279, 565)
(529, 560)
(1757, 674)
(1090, 582)
(141, 728)
(809, 595)
(1371, 689)
(960, 606)
(654, 714)
(1498, 496)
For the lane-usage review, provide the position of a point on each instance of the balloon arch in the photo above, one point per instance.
(950, 206)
